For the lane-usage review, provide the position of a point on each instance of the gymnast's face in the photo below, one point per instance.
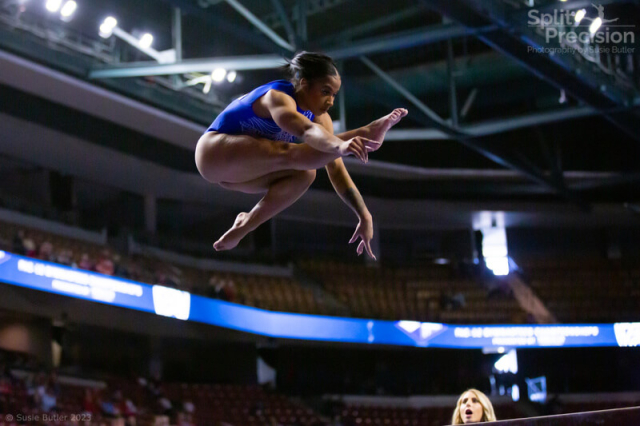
(470, 408)
(318, 95)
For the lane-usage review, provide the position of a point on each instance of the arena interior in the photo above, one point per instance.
(506, 207)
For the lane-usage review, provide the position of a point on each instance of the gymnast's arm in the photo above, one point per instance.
(346, 189)
(283, 110)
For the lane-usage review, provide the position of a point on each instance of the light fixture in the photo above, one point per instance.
(146, 41)
(563, 97)
(218, 75)
(106, 28)
(231, 76)
(207, 87)
(595, 26)
(579, 15)
(53, 5)
(68, 9)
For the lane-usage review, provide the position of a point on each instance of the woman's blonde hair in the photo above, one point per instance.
(488, 414)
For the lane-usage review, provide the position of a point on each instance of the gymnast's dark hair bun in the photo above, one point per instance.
(310, 66)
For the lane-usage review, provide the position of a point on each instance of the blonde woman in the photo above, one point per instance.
(473, 407)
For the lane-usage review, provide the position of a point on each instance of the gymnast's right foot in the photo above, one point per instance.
(379, 128)
(232, 237)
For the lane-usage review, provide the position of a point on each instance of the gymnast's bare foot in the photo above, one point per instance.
(237, 232)
(378, 129)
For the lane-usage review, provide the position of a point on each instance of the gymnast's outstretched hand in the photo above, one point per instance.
(364, 231)
(359, 147)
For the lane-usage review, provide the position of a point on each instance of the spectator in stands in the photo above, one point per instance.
(130, 412)
(65, 257)
(48, 400)
(6, 390)
(126, 408)
(105, 264)
(52, 380)
(89, 403)
(29, 247)
(46, 252)
(165, 407)
(473, 406)
(184, 419)
(119, 269)
(85, 262)
(18, 243)
(109, 408)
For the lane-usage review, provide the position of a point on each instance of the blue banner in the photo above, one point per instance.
(63, 280)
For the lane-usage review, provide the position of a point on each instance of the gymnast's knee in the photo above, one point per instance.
(308, 176)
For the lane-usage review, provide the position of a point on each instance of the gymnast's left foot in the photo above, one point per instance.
(379, 128)
(237, 232)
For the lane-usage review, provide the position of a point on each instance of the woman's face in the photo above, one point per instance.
(470, 408)
(320, 94)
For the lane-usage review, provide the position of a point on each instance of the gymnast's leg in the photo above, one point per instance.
(282, 190)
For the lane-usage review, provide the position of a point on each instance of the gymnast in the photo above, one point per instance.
(271, 141)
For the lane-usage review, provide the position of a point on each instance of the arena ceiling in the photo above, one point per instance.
(495, 116)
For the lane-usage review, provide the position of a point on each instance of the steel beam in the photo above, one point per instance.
(370, 26)
(622, 179)
(342, 99)
(284, 19)
(176, 32)
(453, 98)
(238, 63)
(404, 40)
(301, 23)
(260, 25)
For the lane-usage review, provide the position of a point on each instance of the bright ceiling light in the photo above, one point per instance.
(107, 26)
(579, 15)
(68, 9)
(595, 26)
(53, 5)
(110, 22)
(146, 41)
(231, 77)
(218, 74)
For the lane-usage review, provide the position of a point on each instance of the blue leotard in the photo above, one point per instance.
(239, 119)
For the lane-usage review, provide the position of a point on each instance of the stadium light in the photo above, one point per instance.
(231, 77)
(146, 41)
(595, 26)
(106, 28)
(580, 15)
(68, 10)
(53, 5)
(218, 75)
